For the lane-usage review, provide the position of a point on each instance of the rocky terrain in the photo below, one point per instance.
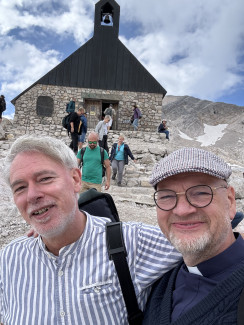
(217, 127)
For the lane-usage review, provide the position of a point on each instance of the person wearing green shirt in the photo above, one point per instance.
(92, 167)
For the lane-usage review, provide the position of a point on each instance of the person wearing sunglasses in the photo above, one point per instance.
(119, 158)
(195, 205)
(92, 165)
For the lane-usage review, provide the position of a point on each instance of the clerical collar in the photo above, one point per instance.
(216, 266)
(194, 270)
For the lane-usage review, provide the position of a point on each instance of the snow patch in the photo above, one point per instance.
(212, 133)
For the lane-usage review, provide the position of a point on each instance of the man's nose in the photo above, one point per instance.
(183, 207)
(34, 193)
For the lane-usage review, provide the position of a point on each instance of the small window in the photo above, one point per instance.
(44, 106)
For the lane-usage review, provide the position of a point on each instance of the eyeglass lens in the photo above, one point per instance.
(198, 196)
(92, 142)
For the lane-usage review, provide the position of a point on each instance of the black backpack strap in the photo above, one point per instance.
(117, 253)
(240, 312)
(102, 155)
(82, 151)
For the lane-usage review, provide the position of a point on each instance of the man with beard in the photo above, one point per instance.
(195, 206)
(65, 276)
(92, 165)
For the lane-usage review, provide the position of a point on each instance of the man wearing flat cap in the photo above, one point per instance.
(195, 206)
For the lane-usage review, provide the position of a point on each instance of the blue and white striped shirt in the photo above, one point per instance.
(80, 286)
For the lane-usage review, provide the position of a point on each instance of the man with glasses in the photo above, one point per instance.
(92, 166)
(195, 206)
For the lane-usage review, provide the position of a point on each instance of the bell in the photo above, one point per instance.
(107, 19)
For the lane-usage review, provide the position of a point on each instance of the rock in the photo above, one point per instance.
(238, 185)
(158, 151)
(145, 182)
(9, 136)
(147, 159)
(2, 132)
(132, 182)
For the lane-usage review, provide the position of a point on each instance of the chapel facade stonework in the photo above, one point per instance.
(32, 116)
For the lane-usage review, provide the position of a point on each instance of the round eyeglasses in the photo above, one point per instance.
(198, 196)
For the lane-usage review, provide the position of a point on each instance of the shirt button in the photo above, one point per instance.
(60, 273)
(62, 313)
(97, 289)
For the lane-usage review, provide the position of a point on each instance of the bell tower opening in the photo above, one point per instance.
(107, 15)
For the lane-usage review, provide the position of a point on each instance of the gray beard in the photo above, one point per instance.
(190, 246)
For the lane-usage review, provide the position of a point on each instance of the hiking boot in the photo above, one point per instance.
(119, 184)
(113, 177)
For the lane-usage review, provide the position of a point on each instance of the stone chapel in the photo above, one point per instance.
(101, 72)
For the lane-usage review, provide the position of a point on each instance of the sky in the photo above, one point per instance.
(192, 47)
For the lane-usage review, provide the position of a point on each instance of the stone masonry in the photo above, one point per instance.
(28, 120)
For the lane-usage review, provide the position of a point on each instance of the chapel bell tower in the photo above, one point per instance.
(106, 20)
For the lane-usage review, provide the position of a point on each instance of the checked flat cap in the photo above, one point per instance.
(186, 160)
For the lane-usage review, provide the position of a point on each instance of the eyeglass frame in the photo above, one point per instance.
(92, 142)
(181, 193)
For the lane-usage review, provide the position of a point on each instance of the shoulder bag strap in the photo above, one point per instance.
(82, 154)
(102, 155)
(117, 253)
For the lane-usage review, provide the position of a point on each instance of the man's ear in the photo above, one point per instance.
(76, 175)
(232, 202)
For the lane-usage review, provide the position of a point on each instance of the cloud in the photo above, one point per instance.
(69, 19)
(190, 47)
(15, 56)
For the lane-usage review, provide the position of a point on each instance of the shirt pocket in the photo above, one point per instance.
(97, 287)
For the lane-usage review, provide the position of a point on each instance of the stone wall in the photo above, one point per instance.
(27, 119)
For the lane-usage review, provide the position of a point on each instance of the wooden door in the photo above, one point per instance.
(94, 112)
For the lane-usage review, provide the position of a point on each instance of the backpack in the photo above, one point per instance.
(102, 204)
(139, 113)
(66, 122)
(82, 151)
(108, 111)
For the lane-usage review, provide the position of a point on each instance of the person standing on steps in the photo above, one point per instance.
(70, 107)
(75, 129)
(135, 117)
(102, 130)
(111, 112)
(81, 138)
(119, 158)
(92, 165)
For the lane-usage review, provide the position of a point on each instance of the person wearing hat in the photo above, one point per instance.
(195, 206)
(162, 128)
